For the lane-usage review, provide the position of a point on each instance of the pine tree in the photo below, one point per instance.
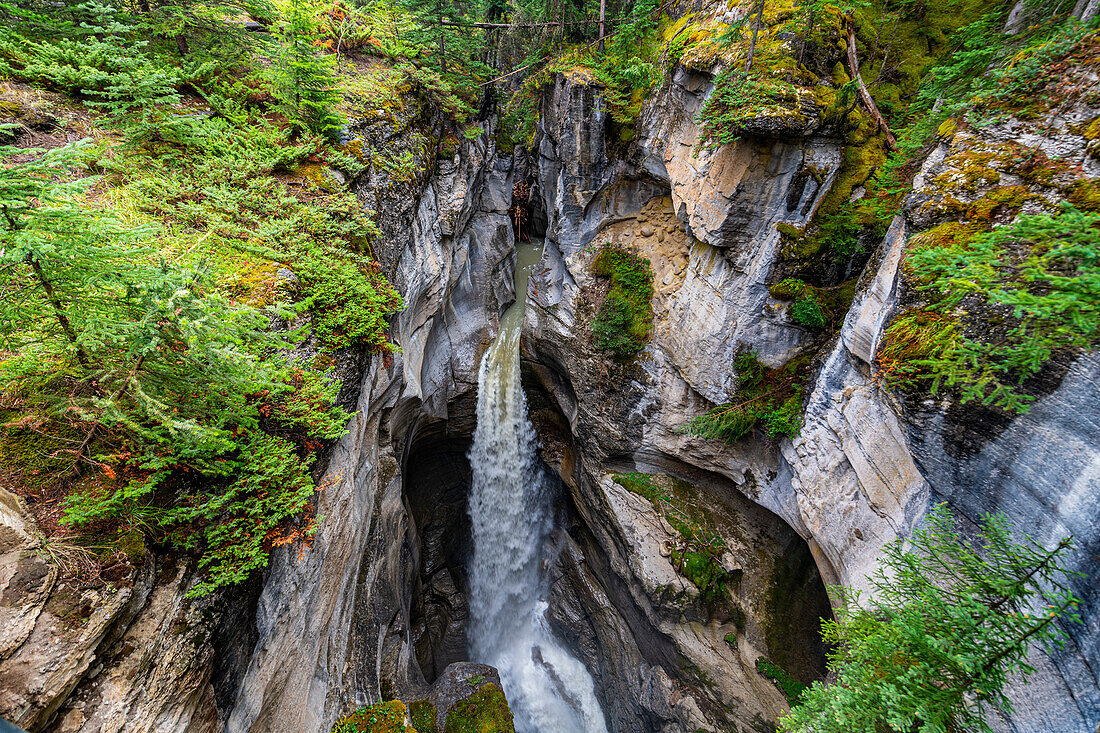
(946, 627)
(140, 371)
(305, 79)
(442, 30)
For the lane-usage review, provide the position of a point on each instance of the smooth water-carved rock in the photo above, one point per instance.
(341, 610)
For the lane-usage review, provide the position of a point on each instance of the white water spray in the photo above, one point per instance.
(548, 689)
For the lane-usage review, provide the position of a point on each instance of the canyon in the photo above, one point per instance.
(378, 604)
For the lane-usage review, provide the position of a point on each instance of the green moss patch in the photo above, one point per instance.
(625, 318)
(385, 717)
(423, 716)
(1085, 195)
(485, 711)
(791, 688)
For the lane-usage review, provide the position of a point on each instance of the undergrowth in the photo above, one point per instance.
(625, 317)
(1036, 283)
(164, 278)
(766, 399)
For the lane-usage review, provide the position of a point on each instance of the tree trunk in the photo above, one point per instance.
(59, 312)
(603, 26)
(1086, 10)
(442, 47)
(752, 43)
(864, 94)
(805, 35)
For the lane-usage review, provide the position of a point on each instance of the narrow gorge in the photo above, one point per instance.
(521, 523)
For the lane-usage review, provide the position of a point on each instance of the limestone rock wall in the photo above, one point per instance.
(331, 625)
(705, 219)
(333, 618)
(75, 658)
(866, 466)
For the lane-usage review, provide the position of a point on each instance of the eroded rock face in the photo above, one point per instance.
(341, 608)
(372, 608)
(665, 661)
(864, 469)
(866, 465)
(729, 195)
(136, 657)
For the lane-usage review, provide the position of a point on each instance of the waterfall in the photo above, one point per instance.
(511, 513)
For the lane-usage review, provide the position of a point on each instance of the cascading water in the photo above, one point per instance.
(511, 513)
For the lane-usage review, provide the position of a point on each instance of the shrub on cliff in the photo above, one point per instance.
(625, 318)
(1037, 283)
(807, 312)
(765, 397)
(947, 624)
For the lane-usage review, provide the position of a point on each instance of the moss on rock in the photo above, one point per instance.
(384, 717)
(787, 289)
(485, 711)
(1085, 194)
(423, 716)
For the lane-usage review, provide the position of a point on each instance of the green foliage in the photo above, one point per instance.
(791, 688)
(625, 318)
(452, 51)
(383, 717)
(158, 372)
(304, 79)
(485, 711)
(980, 74)
(102, 61)
(627, 69)
(807, 312)
(217, 184)
(739, 98)
(771, 398)
(147, 330)
(700, 562)
(1038, 277)
(698, 553)
(787, 289)
(989, 70)
(948, 623)
(839, 233)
